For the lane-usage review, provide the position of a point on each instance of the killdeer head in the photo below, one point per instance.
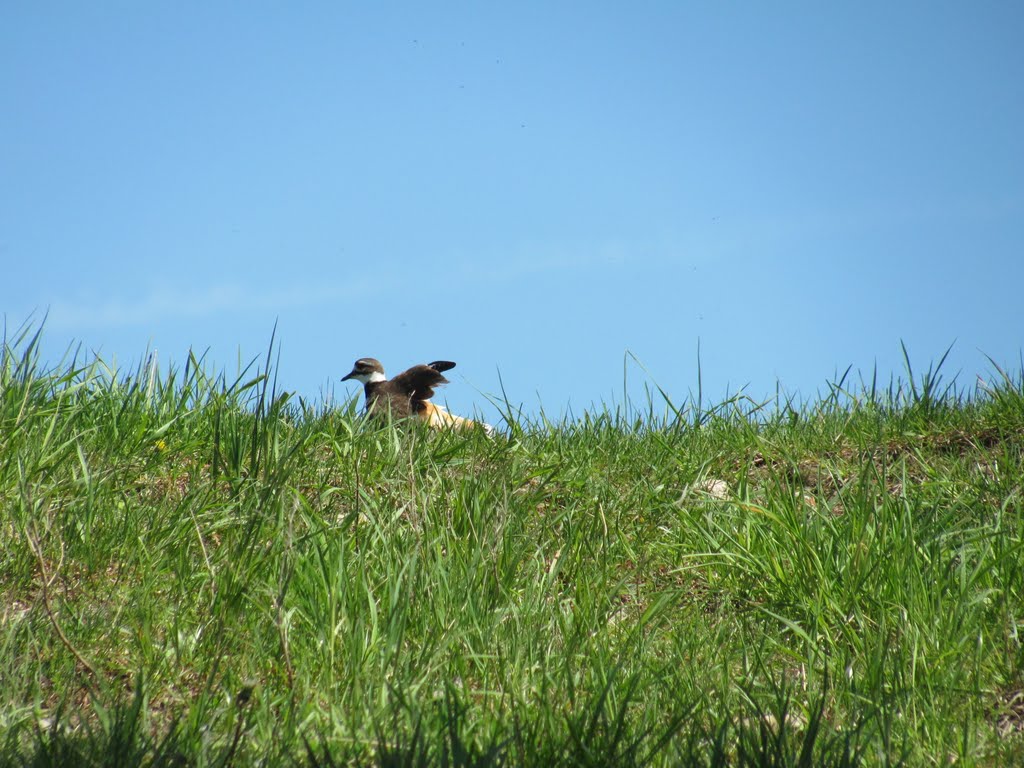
(366, 370)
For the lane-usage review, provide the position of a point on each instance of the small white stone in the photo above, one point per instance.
(713, 487)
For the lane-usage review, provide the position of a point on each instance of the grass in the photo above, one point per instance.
(199, 570)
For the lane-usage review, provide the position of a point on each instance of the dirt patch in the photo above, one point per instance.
(1009, 713)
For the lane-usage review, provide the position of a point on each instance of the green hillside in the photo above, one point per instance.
(199, 570)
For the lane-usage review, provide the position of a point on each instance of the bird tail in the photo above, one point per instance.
(439, 418)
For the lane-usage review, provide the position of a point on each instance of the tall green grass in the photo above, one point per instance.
(197, 569)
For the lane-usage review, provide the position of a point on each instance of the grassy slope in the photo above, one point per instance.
(194, 570)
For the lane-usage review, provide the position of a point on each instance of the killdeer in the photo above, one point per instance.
(409, 393)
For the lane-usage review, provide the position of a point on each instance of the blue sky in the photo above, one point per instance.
(530, 188)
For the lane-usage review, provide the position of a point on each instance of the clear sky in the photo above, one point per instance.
(531, 188)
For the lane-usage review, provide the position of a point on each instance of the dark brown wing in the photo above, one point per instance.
(442, 365)
(418, 383)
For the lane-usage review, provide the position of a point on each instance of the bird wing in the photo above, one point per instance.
(418, 383)
(441, 365)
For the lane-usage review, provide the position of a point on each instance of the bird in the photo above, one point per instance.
(408, 394)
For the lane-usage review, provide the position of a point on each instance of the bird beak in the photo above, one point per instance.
(349, 375)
